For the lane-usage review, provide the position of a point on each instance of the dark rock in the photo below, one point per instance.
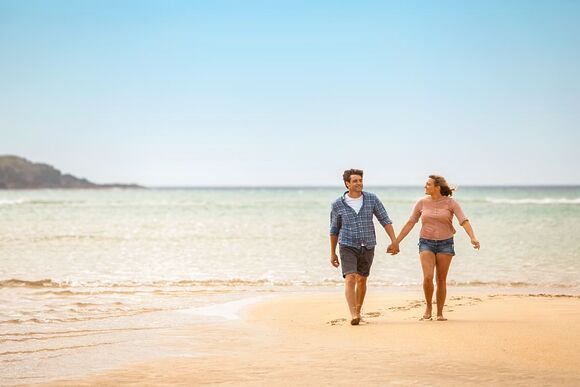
(19, 173)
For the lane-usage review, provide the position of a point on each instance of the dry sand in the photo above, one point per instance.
(305, 340)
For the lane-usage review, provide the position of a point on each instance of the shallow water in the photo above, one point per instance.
(90, 270)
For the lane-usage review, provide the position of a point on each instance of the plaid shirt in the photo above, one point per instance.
(356, 230)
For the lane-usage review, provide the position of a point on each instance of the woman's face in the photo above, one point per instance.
(430, 188)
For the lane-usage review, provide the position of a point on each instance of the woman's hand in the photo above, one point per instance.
(469, 230)
(393, 248)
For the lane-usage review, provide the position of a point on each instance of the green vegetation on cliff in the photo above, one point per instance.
(19, 173)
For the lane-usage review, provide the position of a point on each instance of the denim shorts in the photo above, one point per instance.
(444, 247)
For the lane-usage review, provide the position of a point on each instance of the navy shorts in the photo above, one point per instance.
(355, 260)
(446, 246)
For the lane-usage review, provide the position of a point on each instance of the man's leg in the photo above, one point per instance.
(350, 293)
(428, 266)
(364, 263)
(361, 290)
(348, 259)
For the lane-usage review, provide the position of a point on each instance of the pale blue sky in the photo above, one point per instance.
(292, 93)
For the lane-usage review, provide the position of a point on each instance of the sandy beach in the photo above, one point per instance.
(304, 339)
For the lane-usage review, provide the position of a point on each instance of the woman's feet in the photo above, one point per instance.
(427, 314)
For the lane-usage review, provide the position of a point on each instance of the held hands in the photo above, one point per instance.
(334, 260)
(475, 243)
(393, 249)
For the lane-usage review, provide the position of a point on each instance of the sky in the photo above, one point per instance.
(291, 93)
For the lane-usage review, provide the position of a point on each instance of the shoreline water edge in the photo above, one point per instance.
(92, 281)
(491, 337)
(206, 332)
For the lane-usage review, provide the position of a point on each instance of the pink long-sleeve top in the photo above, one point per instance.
(437, 217)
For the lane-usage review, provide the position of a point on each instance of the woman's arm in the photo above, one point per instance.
(464, 222)
(405, 230)
(414, 218)
(469, 230)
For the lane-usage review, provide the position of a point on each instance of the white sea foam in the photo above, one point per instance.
(534, 201)
(227, 310)
(39, 202)
(13, 202)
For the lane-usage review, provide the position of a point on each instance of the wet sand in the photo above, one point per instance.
(305, 339)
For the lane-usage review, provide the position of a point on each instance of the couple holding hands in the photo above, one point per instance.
(352, 229)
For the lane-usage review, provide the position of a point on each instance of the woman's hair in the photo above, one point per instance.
(440, 181)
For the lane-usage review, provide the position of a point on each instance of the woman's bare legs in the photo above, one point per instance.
(442, 263)
(428, 260)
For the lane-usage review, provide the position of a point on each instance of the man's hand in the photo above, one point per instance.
(475, 243)
(334, 260)
(393, 249)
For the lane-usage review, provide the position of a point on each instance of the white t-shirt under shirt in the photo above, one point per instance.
(355, 204)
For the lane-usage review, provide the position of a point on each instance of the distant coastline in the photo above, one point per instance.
(19, 173)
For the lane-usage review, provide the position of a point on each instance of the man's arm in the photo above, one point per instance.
(335, 225)
(333, 257)
(394, 246)
(385, 221)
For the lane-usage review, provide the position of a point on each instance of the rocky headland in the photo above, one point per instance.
(18, 173)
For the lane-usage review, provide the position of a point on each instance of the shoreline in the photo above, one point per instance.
(305, 338)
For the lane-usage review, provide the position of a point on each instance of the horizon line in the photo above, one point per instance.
(339, 186)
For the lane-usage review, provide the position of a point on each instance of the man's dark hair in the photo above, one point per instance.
(346, 175)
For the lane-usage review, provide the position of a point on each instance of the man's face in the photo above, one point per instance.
(355, 184)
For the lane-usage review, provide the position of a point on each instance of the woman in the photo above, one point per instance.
(436, 212)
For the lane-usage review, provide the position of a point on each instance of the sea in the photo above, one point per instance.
(94, 274)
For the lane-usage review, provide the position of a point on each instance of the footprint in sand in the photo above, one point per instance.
(409, 306)
(465, 301)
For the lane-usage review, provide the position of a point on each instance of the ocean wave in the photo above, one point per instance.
(179, 287)
(201, 283)
(43, 283)
(34, 351)
(114, 313)
(241, 206)
(511, 284)
(13, 202)
(16, 202)
(534, 201)
(65, 237)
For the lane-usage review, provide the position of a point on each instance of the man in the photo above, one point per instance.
(351, 226)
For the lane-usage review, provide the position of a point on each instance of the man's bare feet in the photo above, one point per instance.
(356, 319)
(441, 318)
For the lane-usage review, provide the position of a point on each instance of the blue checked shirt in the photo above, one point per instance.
(356, 230)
